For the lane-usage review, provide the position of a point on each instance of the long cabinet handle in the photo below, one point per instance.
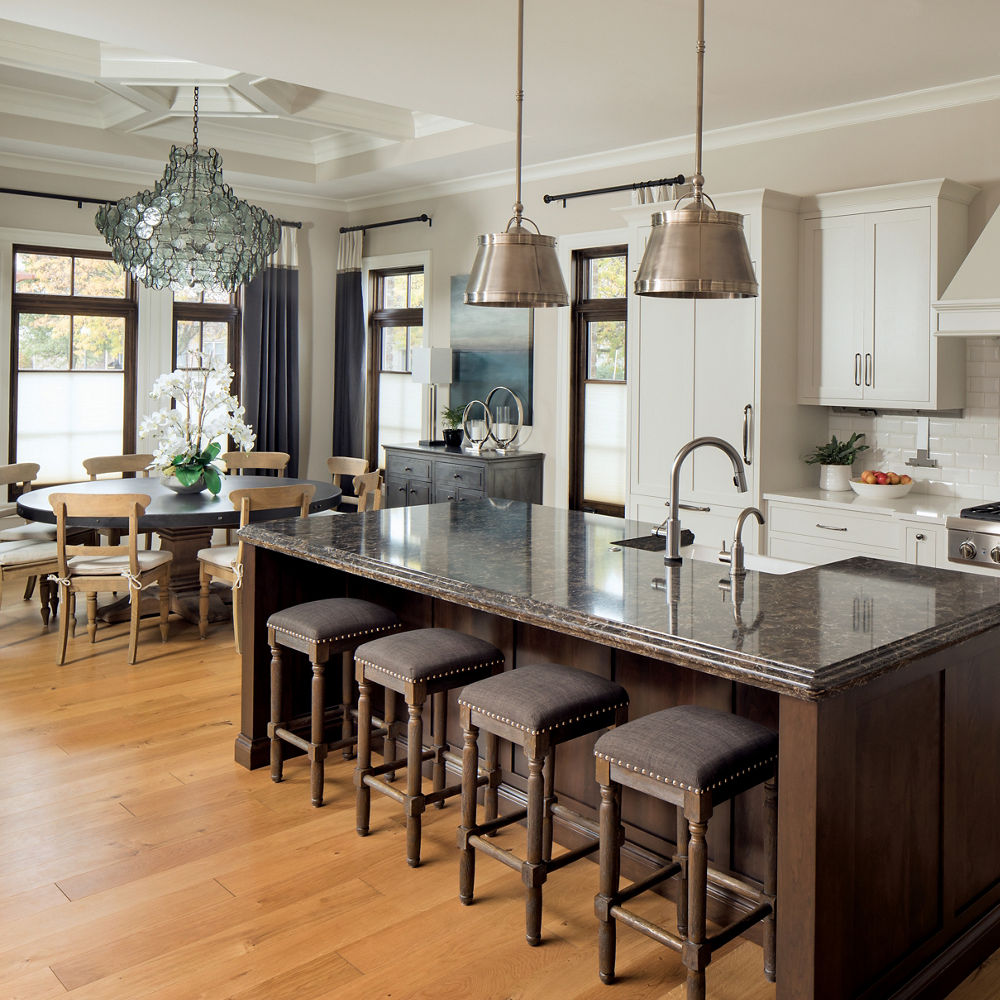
(868, 369)
(747, 417)
(691, 506)
(857, 369)
(830, 527)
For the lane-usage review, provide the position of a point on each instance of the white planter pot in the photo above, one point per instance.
(835, 478)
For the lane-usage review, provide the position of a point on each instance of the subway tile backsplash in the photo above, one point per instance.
(966, 446)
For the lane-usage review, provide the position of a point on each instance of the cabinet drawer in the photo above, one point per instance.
(456, 493)
(407, 467)
(457, 474)
(830, 525)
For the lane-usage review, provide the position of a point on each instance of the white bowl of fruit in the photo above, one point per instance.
(881, 485)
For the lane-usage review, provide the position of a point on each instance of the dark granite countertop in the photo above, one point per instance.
(807, 634)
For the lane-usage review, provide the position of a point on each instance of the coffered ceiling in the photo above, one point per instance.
(346, 103)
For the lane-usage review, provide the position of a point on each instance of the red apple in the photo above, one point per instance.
(881, 478)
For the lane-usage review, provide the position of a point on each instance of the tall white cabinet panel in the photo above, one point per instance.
(871, 263)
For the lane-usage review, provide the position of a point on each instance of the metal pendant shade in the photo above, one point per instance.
(697, 252)
(190, 231)
(517, 267)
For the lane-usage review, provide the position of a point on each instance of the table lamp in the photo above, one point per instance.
(431, 366)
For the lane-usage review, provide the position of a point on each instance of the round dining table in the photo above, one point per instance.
(183, 521)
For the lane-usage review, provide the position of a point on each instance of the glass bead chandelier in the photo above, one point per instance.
(190, 231)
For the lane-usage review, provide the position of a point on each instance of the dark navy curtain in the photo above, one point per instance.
(270, 360)
(349, 352)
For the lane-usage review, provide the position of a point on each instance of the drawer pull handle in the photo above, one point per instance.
(692, 506)
(458, 475)
(401, 489)
(857, 369)
(920, 536)
(830, 527)
(407, 468)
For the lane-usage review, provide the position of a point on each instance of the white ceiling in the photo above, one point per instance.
(350, 102)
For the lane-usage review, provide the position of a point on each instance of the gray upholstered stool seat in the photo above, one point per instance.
(320, 629)
(694, 758)
(537, 708)
(423, 662)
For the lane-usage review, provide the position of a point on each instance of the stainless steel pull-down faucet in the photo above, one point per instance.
(673, 521)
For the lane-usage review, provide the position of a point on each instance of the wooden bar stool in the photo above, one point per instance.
(694, 758)
(536, 707)
(427, 661)
(319, 629)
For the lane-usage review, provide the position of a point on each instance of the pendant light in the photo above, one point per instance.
(516, 267)
(697, 252)
(190, 231)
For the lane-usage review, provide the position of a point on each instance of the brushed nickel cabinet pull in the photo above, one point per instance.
(869, 373)
(830, 527)
(691, 506)
(857, 369)
(747, 416)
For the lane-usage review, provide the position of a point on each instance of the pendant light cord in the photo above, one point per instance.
(519, 101)
(698, 180)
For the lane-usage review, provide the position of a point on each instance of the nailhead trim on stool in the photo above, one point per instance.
(694, 758)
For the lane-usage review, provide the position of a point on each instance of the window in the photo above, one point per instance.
(598, 400)
(73, 380)
(396, 327)
(208, 322)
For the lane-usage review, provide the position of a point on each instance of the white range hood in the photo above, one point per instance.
(970, 305)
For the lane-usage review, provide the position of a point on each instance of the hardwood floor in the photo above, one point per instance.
(137, 860)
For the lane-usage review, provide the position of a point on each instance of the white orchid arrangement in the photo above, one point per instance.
(186, 434)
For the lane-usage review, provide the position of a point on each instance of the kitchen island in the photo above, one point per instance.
(882, 680)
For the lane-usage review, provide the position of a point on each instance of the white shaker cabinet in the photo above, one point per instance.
(870, 264)
(722, 368)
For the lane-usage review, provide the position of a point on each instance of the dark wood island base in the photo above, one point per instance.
(889, 752)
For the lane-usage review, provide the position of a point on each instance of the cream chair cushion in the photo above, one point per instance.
(115, 565)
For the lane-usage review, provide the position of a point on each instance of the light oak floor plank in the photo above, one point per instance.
(138, 860)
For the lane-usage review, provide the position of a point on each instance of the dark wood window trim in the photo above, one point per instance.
(229, 313)
(379, 319)
(587, 310)
(80, 305)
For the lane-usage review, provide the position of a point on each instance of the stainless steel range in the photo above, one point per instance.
(974, 536)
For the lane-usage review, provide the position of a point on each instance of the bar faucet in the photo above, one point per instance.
(736, 567)
(674, 521)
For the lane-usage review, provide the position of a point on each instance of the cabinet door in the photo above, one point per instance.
(395, 491)
(724, 379)
(832, 286)
(921, 545)
(661, 368)
(899, 244)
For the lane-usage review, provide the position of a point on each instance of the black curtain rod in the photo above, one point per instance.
(81, 200)
(393, 222)
(679, 179)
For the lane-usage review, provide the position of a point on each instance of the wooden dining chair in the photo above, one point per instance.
(241, 461)
(97, 569)
(370, 490)
(344, 466)
(225, 562)
(127, 467)
(21, 475)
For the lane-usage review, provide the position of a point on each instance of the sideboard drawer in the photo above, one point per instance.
(458, 474)
(443, 493)
(407, 467)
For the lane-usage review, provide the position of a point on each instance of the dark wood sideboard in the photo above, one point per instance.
(418, 474)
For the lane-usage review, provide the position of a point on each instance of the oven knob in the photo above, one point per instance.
(967, 550)
(995, 553)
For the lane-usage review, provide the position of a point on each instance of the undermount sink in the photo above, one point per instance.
(760, 564)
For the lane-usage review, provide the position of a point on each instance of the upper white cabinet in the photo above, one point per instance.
(870, 264)
(722, 368)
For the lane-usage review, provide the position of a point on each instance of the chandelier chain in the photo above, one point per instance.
(196, 119)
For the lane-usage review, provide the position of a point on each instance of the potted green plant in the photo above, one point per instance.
(451, 419)
(835, 459)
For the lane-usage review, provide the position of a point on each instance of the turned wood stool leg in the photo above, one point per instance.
(771, 875)
(549, 783)
(364, 761)
(470, 768)
(347, 697)
(29, 587)
(277, 716)
(92, 617)
(317, 748)
(414, 778)
(68, 616)
(681, 857)
(439, 727)
(611, 834)
(491, 795)
(389, 743)
(693, 954)
(44, 598)
(533, 868)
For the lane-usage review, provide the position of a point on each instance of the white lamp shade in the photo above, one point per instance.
(431, 365)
